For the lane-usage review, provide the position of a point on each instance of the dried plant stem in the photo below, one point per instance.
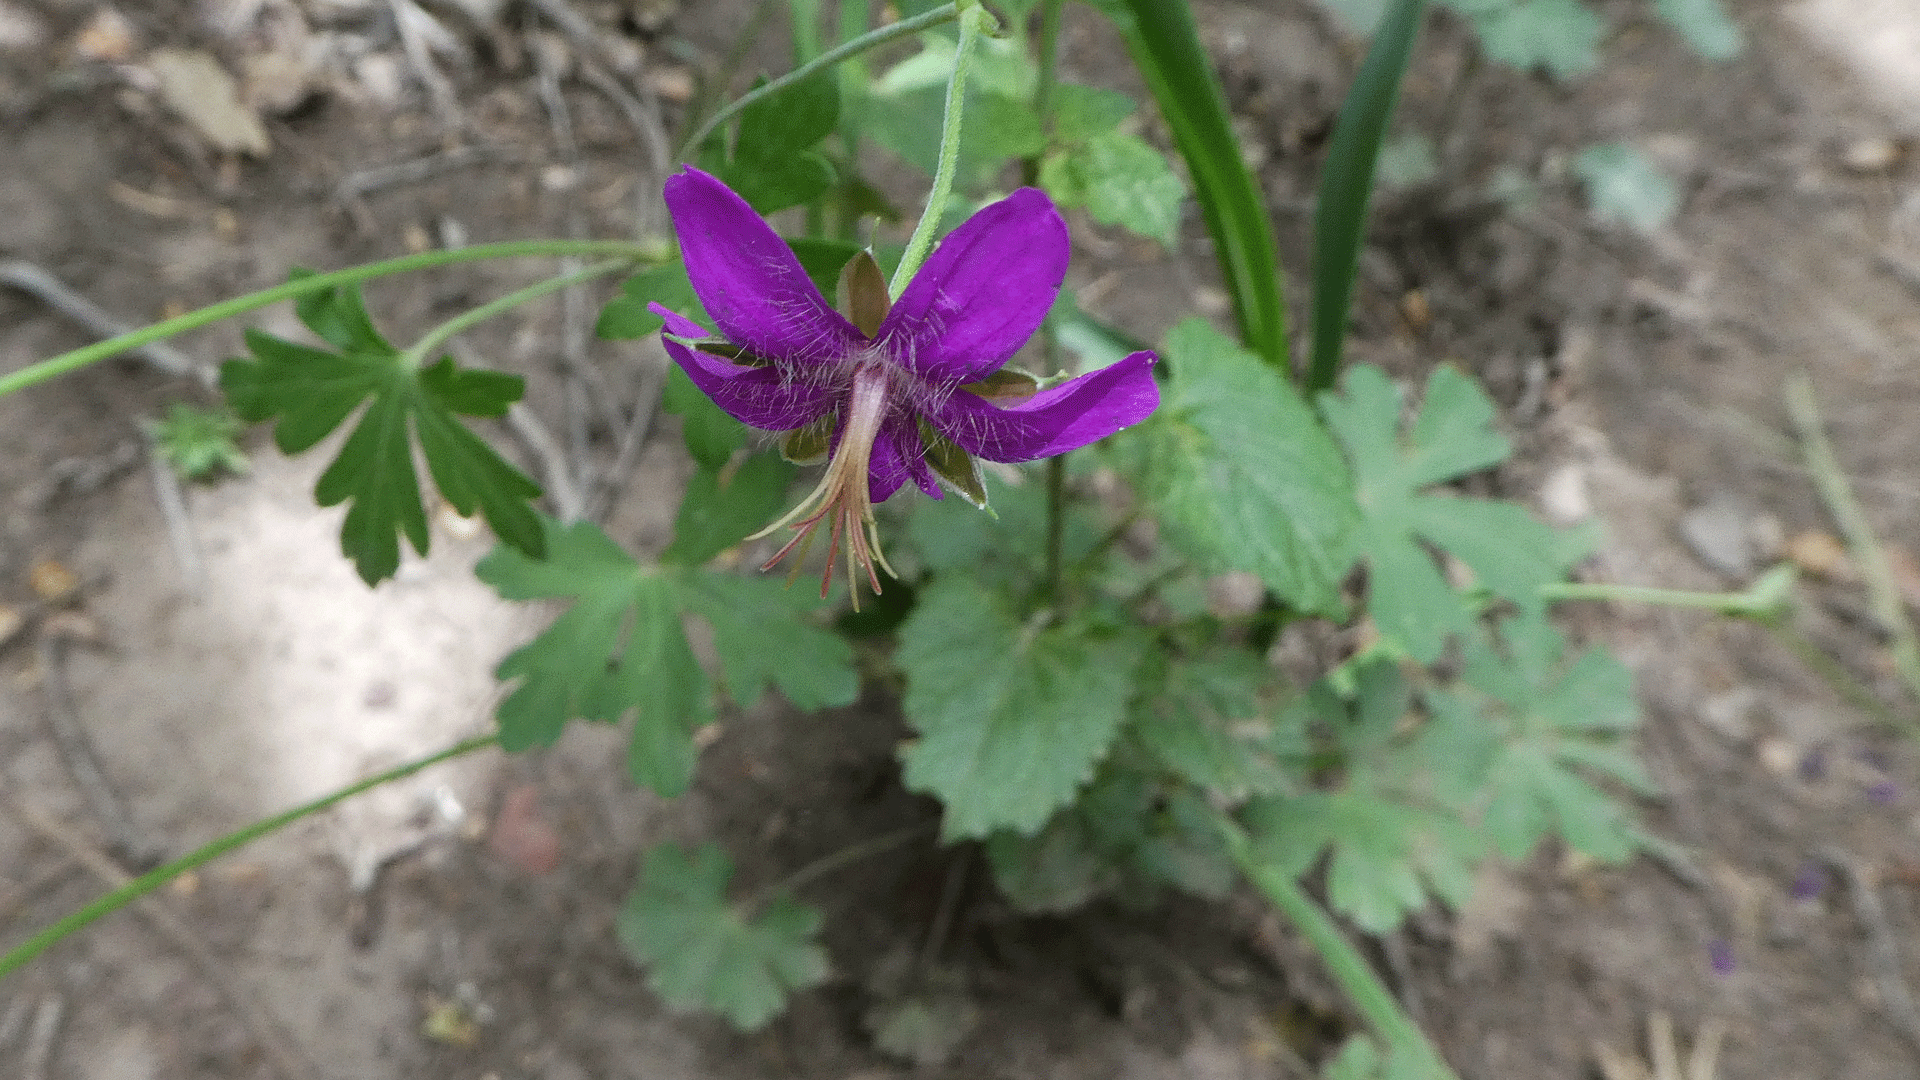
(280, 1049)
(153, 879)
(1882, 593)
(1883, 950)
(70, 738)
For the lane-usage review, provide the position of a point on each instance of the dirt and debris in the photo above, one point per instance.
(168, 154)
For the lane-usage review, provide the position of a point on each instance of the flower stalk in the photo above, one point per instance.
(974, 21)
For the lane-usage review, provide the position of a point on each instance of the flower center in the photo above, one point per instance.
(843, 496)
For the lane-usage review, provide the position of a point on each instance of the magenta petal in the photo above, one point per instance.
(758, 397)
(1066, 417)
(748, 278)
(895, 449)
(983, 292)
(677, 324)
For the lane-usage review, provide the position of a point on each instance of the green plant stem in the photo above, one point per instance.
(1882, 593)
(1835, 674)
(974, 21)
(1724, 603)
(155, 878)
(945, 13)
(1049, 60)
(432, 340)
(35, 374)
(1349, 969)
(832, 861)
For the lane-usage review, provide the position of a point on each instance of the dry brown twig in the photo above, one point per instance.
(42, 285)
(283, 1055)
(1883, 948)
(76, 750)
(46, 1024)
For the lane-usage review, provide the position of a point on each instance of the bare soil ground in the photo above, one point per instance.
(1641, 376)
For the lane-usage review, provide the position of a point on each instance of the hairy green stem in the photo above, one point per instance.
(430, 342)
(974, 21)
(943, 14)
(155, 878)
(1349, 969)
(1882, 593)
(35, 374)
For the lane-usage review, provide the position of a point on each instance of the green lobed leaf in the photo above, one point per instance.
(763, 637)
(1554, 724)
(199, 442)
(1121, 181)
(1562, 36)
(703, 953)
(1082, 112)
(619, 648)
(723, 506)
(1123, 834)
(1242, 474)
(710, 434)
(313, 391)
(1011, 719)
(1346, 183)
(1202, 718)
(1706, 26)
(626, 315)
(1510, 553)
(773, 165)
(1400, 822)
(1625, 185)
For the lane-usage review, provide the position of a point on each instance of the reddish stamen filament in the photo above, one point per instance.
(843, 493)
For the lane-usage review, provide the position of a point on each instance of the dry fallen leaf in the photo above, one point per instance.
(52, 581)
(108, 38)
(195, 86)
(1820, 553)
(521, 837)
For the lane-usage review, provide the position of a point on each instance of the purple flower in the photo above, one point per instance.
(1720, 956)
(893, 390)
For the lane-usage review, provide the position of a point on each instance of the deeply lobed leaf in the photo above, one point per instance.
(702, 952)
(312, 392)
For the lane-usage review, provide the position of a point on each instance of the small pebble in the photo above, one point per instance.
(1870, 155)
(1717, 534)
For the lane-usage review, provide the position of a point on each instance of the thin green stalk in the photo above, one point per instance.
(945, 13)
(1349, 969)
(430, 342)
(1724, 603)
(832, 861)
(1049, 60)
(974, 21)
(1882, 593)
(1835, 674)
(805, 16)
(155, 878)
(35, 374)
